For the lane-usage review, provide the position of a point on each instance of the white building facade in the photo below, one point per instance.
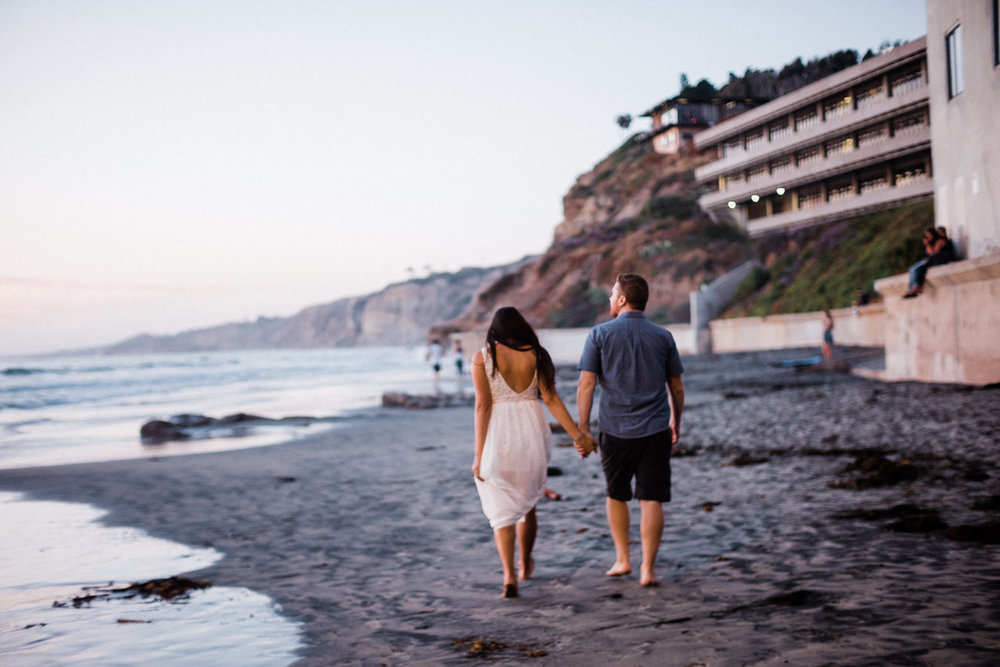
(855, 141)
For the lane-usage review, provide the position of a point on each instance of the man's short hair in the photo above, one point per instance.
(634, 288)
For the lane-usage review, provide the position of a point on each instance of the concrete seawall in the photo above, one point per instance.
(864, 327)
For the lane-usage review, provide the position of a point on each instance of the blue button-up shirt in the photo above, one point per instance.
(632, 358)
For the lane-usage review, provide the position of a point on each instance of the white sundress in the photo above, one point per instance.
(516, 453)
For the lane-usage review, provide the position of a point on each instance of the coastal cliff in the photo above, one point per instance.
(401, 314)
(636, 211)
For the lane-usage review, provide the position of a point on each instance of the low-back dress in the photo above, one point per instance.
(516, 453)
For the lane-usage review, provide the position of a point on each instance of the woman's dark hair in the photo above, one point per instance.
(509, 328)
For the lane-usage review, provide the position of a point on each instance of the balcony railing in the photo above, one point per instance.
(816, 170)
(904, 97)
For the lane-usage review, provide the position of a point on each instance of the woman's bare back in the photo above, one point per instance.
(516, 367)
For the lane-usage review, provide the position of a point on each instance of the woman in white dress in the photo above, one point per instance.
(513, 440)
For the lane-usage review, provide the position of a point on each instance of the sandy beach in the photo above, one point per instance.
(818, 518)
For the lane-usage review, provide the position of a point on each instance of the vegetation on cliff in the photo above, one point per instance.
(824, 267)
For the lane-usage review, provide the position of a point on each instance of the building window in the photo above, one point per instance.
(754, 140)
(810, 196)
(807, 155)
(872, 136)
(778, 129)
(905, 82)
(870, 94)
(781, 164)
(756, 173)
(953, 49)
(839, 188)
(875, 182)
(911, 124)
(839, 145)
(910, 171)
(806, 118)
(837, 107)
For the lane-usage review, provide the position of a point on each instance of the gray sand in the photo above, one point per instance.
(372, 536)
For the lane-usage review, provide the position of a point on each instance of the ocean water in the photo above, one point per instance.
(59, 410)
(56, 410)
(54, 552)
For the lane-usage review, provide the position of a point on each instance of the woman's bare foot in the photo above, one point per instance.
(648, 578)
(619, 569)
(510, 590)
(525, 570)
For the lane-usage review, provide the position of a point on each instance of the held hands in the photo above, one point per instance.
(585, 444)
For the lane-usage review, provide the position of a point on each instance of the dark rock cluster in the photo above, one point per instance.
(396, 399)
(194, 426)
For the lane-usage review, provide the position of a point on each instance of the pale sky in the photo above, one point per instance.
(172, 164)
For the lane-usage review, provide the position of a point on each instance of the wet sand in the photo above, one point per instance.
(817, 518)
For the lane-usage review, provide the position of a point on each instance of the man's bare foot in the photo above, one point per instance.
(510, 590)
(525, 570)
(648, 579)
(619, 569)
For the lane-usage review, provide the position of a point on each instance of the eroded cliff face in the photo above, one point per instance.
(619, 186)
(401, 314)
(635, 211)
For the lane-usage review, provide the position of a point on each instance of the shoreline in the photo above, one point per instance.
(371, 534)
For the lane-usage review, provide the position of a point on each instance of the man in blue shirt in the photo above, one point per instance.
(638, 368)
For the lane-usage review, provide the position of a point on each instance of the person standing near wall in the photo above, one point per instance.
(827, 335)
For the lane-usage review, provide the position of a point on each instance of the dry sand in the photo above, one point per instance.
(775, 550)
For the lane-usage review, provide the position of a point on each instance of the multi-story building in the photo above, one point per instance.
(854, 141)
(677, 120)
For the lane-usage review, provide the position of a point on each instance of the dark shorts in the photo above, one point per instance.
(647, 459)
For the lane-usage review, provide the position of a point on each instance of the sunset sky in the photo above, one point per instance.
(172, 164)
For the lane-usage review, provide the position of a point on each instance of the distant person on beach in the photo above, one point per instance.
(459, 358)
(513, 438)
(638, 368)
(827, 335)
(434, 353)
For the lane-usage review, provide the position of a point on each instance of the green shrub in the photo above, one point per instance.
(754, 280)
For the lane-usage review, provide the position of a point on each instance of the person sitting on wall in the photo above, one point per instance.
(933, 243)
(946, 249)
